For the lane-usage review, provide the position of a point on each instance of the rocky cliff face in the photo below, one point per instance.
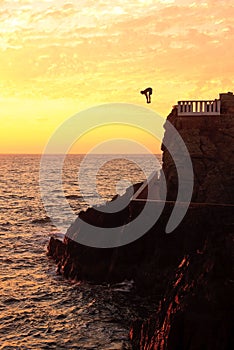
(195, 311)
(209, 140)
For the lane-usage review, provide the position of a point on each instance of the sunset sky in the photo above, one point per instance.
(60, 57)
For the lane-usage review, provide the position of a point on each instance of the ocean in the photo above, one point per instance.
(39, 309)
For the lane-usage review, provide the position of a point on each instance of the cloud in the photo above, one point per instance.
(67, 10)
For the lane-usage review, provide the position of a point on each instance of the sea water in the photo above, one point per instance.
(39, 309)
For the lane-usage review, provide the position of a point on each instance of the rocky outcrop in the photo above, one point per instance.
(150, 259)
(188, 270)
(209, 140)
(80, 262)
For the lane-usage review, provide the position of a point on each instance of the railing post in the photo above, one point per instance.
(212, 106)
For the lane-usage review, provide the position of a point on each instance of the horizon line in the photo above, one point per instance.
(71, 154)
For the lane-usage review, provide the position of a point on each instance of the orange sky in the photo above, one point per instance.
(60, 57)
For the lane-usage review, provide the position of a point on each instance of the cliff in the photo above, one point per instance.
(209, 140)
(195, 311)
(189, 270)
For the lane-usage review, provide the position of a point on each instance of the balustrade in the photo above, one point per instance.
(208, 107)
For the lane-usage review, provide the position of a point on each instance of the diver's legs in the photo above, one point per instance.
(148, 97)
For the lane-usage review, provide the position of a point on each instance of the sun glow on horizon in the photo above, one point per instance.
(116, 138)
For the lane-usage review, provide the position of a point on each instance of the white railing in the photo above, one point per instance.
(209, 107)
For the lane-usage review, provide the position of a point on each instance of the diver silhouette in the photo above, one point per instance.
(147, 92)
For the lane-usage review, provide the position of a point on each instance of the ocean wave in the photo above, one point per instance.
(11, 300)
(73, 196)
(44, 220)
